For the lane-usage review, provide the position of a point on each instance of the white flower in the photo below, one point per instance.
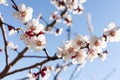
(4, 2)
(70, 5)
(34, 26)
(66, 51)
(68, 20)
(78, 10)
(12, 32)
(34, 37)
(59, 4)
(12, 45)
(55, 16)
(80, 41)
(24, 14)
(79, 57)
(40, 43)
(92, 54)
(97, 43)
(112, 33)
(36, 43)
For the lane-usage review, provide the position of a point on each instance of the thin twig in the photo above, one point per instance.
(108, 75)
(72, 75)
(25, 78)
(5, 40)
(14, 5)
(46, 52)
(69, 33)
(61, 69)
(35, 56)
(56, 76)
(44, 20)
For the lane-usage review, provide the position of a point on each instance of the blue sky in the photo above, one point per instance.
(103, 12)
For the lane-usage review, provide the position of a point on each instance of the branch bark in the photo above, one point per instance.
(32, 66)
(7, 68)
(5, 40)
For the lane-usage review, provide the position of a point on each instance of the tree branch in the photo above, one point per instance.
(7, 68)
(32, 66)
(21, 54)
(5, 40)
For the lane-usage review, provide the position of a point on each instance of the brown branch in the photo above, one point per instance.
(7, 68)
(5, 40)
(21, 54)
(32, 66)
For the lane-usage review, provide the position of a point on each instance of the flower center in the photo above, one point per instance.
(96, 43)
(32, 28)
(79, 42)
(23, 14)
(92, 52)
(71, 49)
(39, 43)
(112, 33)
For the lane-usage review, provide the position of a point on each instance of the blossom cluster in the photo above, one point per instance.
(69, 6)
(78, 50)
(34, 34)
(72, 5)
(83, 48)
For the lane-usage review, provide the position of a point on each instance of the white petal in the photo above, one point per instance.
(29, 10)
(22, 7)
